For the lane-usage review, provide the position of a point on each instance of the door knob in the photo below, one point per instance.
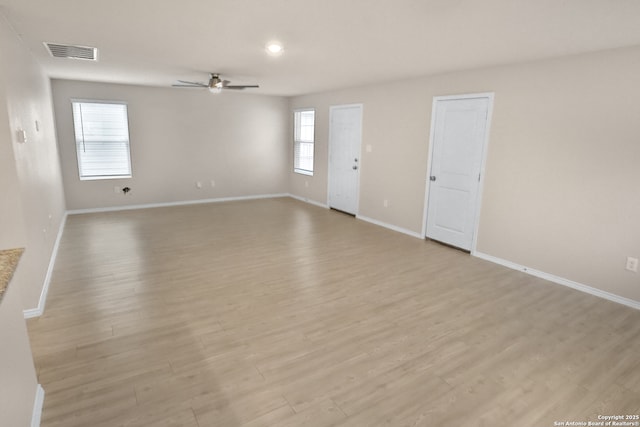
(432, 178)
(355, 167)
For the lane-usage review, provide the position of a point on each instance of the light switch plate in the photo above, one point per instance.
(22, 136)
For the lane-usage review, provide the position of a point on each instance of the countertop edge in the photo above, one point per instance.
(8, 263)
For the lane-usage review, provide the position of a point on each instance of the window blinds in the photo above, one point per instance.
(304, 123)
(102, 140)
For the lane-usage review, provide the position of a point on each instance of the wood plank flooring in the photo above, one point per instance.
(278, 313)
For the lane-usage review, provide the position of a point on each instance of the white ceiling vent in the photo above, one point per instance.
(72, 52)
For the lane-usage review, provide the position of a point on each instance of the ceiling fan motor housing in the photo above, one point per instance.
(215, 82)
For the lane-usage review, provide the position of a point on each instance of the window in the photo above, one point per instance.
(303, 137)
(102, 139)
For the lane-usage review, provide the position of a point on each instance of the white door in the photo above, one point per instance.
(345, 138)
(459, 129)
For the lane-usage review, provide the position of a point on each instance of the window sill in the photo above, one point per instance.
(303, 172)
(98, 178)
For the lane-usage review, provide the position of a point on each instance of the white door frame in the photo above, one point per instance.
(476, 225)
(331, 109)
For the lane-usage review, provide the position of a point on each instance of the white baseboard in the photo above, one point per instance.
(169, 204)
(38, 311)
(37, 407)
(390, 226)
(312, 202)
(561, 281)
(32, 312)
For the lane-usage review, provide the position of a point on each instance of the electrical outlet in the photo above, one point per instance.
(632, 264)
(116, 189)
(385, 203)
(306, 184)
(213, 183)
(198, 184)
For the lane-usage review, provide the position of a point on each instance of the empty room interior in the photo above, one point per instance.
(319, 213)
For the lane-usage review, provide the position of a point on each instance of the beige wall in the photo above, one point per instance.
(37, 168)
(32, 174)
(32, 209)
(563, 167)
(179, 137)
(11, 217)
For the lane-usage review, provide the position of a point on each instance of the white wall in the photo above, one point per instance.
(32, 210)
(561, 186)
(179, 137)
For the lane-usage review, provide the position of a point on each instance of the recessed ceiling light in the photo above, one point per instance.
(274, 48)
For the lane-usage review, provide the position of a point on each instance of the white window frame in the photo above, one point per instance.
(80, 142)
(298, 141)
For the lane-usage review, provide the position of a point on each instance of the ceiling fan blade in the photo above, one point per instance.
(192, 83)
(239, 87)
(193, 86)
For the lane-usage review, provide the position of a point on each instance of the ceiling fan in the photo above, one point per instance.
(215, 85)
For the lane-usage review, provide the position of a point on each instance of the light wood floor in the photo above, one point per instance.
(279, 313)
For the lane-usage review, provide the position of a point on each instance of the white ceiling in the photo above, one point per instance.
(329, 44)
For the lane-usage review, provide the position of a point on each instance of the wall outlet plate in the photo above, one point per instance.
(632, 264)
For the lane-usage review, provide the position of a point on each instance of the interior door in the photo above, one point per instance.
(459, 131)
(345, 139)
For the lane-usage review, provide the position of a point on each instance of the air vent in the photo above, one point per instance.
(72, 52)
